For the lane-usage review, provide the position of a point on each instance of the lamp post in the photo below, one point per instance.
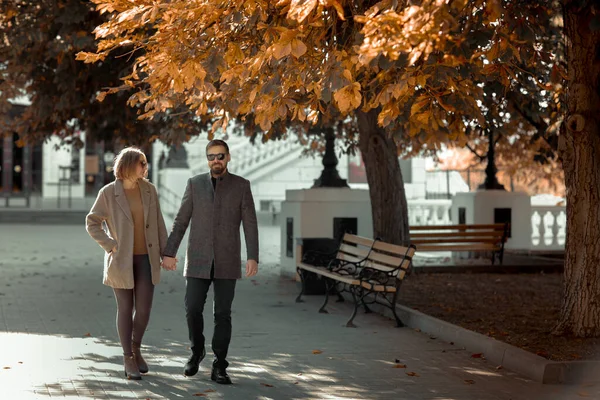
(330, 176)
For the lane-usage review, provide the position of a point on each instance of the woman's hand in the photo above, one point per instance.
(169, 263)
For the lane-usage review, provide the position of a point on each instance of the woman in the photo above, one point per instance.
(127, 223)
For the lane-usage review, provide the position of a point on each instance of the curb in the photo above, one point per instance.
(508, 356)
(33, 216)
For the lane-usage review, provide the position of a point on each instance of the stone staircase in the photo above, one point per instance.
(253, 162)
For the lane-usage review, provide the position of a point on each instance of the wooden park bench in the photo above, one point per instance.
(370, 270)
(477, 238)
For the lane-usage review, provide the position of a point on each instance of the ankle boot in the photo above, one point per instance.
(137, 355)
(131, 369)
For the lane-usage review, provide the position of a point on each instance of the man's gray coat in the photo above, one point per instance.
(215, 216)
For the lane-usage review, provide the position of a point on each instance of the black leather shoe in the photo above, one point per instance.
(191, 367)
(219, 375)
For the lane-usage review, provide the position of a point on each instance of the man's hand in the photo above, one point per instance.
(169, 263)
(251, 268)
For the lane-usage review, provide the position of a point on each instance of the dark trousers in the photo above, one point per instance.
(134, 305)
(195, 298)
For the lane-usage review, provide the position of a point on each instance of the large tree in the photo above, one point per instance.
(404, 73)
(38, 43)
(579, 146)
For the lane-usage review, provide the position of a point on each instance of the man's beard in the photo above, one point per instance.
(217, 169)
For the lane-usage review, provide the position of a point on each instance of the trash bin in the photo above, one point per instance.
(316, 251)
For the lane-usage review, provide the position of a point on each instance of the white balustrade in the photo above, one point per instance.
(548, 227)
(429, 212)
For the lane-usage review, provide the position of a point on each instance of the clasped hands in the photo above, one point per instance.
(169, 263)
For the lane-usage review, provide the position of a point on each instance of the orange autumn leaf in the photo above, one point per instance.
(348, 98)
(317, 352)
(399, 366)
(412, 374)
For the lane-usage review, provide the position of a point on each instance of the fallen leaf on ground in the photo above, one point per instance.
(469, 381)
(412, 374)
(88, 334)
(316, 351)
(477, 355)
(399, 366)
(267, 385)
(6, 368)
(199, 395)
(209, 391)
(417, 330)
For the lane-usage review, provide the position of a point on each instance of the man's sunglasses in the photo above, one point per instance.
(220, 157)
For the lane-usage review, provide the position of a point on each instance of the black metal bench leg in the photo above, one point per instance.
(399, 322)
(328, 287)
(340, 298)
(367, 309)
(299, 298)
(350, 324)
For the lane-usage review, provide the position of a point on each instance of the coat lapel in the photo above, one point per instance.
(145, 193)
(122, 199)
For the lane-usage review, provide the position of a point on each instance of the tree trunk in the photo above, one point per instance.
(579, 147)
(386, 186)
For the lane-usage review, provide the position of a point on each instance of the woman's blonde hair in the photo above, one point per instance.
(127, 161)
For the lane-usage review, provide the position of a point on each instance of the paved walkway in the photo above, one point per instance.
(57, 338)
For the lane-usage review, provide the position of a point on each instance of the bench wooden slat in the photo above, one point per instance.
(379, 288)
(464, 226)
(451, 247)
(392, 248)
(353, 250)
(354, 239)
(333, 275)
(380, 259)
(457, 240)
(456, 234)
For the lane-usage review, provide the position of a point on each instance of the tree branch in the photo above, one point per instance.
(481, 158)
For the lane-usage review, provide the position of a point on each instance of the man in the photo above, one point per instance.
(215, 204)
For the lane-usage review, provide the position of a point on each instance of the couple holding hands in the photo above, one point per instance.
(126, 221)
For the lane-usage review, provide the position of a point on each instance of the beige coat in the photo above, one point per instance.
(110, 223)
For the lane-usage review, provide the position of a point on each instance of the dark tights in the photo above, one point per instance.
(134, 305)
